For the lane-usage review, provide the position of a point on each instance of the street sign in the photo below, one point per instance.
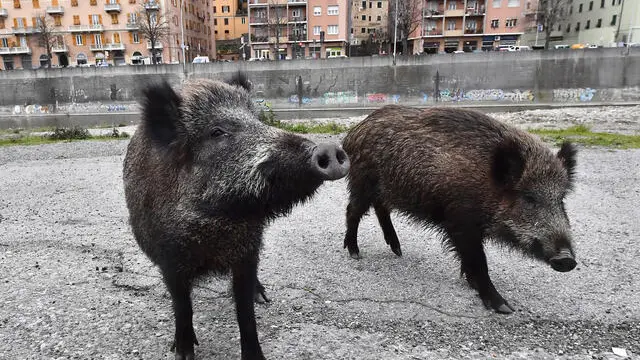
(540, 27)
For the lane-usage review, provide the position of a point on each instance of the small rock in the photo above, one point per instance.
(620, 352)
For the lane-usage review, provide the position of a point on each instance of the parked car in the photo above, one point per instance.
(200, 60)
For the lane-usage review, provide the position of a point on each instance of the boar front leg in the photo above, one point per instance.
(245, 281)
(473, 263)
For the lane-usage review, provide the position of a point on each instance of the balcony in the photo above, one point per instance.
(107, 47)
(86, 28)
(59, 49)
(259, 39)
(298, 19)
(454, 12)
(158, 45)
(475, 31)
(15, 50)
(53, 10)
(453, 32)
(4, 12)
(434, 12)
(133, 26)
(297, 2)
(151, 5)
(24, 30)
(479, 11)
(299, 37)
(281, 39)
(432, 33)
(256, 20)
(112, 7)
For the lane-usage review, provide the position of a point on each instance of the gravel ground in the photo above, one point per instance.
(75, 285)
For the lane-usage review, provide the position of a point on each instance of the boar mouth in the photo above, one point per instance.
(564, 261)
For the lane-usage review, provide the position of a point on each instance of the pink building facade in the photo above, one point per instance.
(505, 22)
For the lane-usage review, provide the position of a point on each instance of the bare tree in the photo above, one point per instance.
(552, 12)
(45, 34)
(276, 23)
(154, 26)
(409, 18)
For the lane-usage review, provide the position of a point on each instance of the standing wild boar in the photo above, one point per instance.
(202, 178)
(467, 175)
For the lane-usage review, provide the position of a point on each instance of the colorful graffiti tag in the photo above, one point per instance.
(574, 95)
(339, 97)
(485, 95)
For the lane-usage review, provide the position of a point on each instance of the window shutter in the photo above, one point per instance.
(90, 23)
(100, 19)
(15, 22)
(34, 22)
(131, 37)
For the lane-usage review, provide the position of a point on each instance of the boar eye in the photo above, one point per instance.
(216, 132)
(529, 198)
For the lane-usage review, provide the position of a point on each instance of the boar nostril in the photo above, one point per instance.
(341, 156)
(329, 161)
(323, 161)
(563, 262)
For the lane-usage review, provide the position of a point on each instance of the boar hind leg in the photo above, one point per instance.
(185, 337)
(245, 280)
(473, 263)
(390, 236)
(357, 207)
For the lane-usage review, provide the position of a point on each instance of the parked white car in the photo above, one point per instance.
(200, 60)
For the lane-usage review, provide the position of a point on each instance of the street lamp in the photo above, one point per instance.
(184, 59)
(395, 34)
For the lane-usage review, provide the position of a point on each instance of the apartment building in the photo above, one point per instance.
(369, 20)
(99, 31)
(296, 29)
(505, 23)
(600, 22)
(450, 25)
(231, 22)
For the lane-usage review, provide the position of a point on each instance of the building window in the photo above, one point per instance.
(332, 29)
(74, 2)
(316, 30)
(114, 18)
(76, 19)
(36, 4)
(214, 9)
(363, 30)
(570, 10)
(57, 20)
(79, 39)
(226, 21)
(495, 23)
(364, 17)
(453, 5)
(578, 26)
(2, 26)
(602, 4)
(614, 19)
(226, 32)
(587, 25)
(332, 10)
(379, 18)
(244, 20)
(451, 25)
(136, 38)
(225, 9)
(379, 4)
(560, 27)
(5, 42)
(590, 5)
(364, 5)
(497, 3)
(471, 24)
(215, 22)
(580, 8)
(613, 2)
(16, 4)
(568, 28)
(317, 11)
(599, 23)
(93, 2)
(513, 3)
(511, 23)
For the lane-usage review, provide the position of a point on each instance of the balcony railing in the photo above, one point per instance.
(433, 32)
(296, 2)
(299, 37)
(151, 5)
(431, 12)
(24, 30)
(112, 7)
(55, 10)
(258, 20)
(454, 12)
(86, 28)
(106, 47)
(259, 39)
(453, 32)
(15, 50)
(475, 11)
(60, 49)
(158, 45)
(297, 19)
(473, 31)
(132, 26)
(4, 12)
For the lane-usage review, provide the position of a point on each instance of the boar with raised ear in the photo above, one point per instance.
(203, 177)
(467, 175)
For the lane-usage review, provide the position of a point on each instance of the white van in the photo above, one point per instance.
(200, 60)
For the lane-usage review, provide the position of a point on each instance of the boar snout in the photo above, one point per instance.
(563, 261)
(329, 161)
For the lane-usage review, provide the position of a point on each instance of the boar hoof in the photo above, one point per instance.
(260, 297)
(189, 356)
(504, 309)
(355, 255)
(396, 250)
(498, 305)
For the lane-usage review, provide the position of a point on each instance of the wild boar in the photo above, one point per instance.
(467, 175)
(202, 178)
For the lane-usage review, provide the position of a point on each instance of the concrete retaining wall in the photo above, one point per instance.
(567, 76)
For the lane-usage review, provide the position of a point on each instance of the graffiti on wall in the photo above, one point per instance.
(339, 97)
(574, 95)
(294, 99)
(485, 95)
(34, 109)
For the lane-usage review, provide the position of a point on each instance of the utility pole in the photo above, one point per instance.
(395, 34)
(537, 27)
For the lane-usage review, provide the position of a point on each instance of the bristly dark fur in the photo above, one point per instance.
(160, 111)
(241, 79)
(467, 176)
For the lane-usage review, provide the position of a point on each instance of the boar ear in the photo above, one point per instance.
(508, 164)
(567, 154)
(241, 79)
(161, 113)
